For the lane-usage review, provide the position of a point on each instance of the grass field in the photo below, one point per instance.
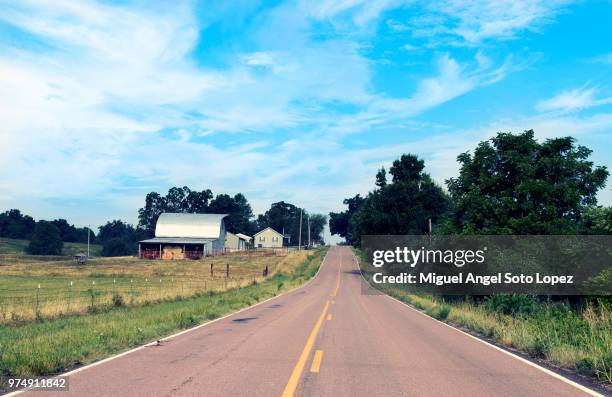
(577, 339)
(17, 248)
(56, 345)
(31, 290)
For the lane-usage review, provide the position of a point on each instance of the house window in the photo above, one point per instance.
(262, 238)
(275, 239)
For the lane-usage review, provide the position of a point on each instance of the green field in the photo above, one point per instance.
(10, 247)
(56, 345)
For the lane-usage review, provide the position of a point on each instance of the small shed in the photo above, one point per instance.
(236, 242)
(185, 236)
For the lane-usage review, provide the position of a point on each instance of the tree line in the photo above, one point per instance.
(120, 238)
(510, 184)
(283, 217)
(46, 237)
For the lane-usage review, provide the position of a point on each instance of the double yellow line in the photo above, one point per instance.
(316, 363)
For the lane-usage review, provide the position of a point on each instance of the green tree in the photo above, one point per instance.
(238, 210)
(317, 226)
(13, 224)
(339, 221)
(381, 177)
(178, 199)
(116, 246)
(45, 239)
(155, 204)
(513, 184)
(597, 220)
(403, 206)
(116, 230)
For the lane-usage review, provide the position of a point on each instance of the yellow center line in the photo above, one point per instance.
(299, 366)
(338, 280)
(316, 361)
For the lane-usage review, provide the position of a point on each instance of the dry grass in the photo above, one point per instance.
(66, 288)
(56, 345)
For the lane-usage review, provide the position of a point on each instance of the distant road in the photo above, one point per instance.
(324, 339)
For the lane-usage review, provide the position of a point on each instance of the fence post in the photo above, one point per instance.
(227, 270)
(159, 291)
(132, 291)
(37, 301)
(69, 296)
(211, 270)
(93, 294)
(146, 289)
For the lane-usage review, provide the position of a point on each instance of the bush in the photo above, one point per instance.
(511, 304)
(45, 240)
(118, 300)
(116, 247)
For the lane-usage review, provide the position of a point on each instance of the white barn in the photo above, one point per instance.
(185, 236)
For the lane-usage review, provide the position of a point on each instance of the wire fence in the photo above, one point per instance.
(55, 299)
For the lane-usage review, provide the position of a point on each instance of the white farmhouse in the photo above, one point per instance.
(268, 238)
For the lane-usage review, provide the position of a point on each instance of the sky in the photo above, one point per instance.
(301, 101)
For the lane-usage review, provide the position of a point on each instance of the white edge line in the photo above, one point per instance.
(530, 363)
(94, 364)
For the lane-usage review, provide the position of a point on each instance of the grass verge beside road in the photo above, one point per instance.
(575, 338)
(57, 345)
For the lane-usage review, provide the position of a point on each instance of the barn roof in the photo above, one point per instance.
(202, 226)
(244, 236)
(263, 230)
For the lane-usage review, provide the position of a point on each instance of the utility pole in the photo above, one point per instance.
(308, 230)
(88, 230)
(429, 225)
(300, 233)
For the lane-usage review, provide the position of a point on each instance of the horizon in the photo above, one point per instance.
(104, 102)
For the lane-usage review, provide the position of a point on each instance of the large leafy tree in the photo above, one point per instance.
(72, 234)
(45, 240)
(13, 224)
(339, 221)
(238, 210)
(403, 206)
(116, 234)
(512, 184)
(178, 199)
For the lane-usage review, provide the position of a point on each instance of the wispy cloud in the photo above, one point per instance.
(116, 100)
(573, 100)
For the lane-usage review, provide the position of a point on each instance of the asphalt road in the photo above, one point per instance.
(327, 338)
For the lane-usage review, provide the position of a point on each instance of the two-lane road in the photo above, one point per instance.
(324, 339)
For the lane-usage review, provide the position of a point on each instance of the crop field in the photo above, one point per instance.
(32, 288)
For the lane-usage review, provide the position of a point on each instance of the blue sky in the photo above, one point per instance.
(102, 102)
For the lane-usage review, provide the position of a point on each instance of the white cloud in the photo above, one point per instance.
(82, 119)
(573, 100)
(604, 58)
